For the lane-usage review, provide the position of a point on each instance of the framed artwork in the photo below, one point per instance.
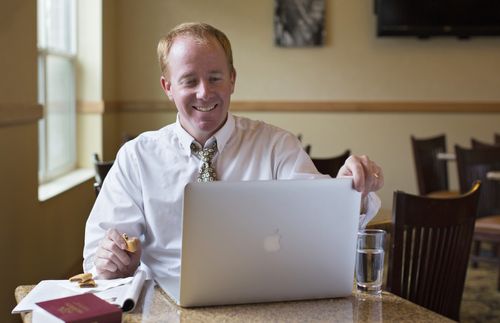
(299, 23)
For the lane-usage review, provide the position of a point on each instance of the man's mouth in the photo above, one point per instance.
(206, 108)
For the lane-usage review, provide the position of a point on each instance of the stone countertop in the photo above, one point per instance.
(155, 306)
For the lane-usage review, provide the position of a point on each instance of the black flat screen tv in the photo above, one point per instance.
(427, 18)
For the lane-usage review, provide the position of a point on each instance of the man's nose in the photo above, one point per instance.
(203, 90)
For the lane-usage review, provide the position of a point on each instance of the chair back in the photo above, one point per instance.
(307, 148)
(127, 137)
(475, 144)
(430, 249)
(101, 170)
(474, 164)
(432, 173)
(331, 166)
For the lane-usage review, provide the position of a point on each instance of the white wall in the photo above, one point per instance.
(354, 65)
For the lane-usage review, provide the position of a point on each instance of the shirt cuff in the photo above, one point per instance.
(371, 205)
(141, 267)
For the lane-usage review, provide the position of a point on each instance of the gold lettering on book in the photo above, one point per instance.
(71, 308)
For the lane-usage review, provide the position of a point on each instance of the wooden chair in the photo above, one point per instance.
(432, 173)
(475, 144)
(430, 249)
(101, 170)
(474, 164)
(307, 148)
(330, 166)
(126, 137)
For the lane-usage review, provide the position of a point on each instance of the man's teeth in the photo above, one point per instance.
(205, 109)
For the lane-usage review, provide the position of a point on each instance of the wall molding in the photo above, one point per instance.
(366, 106)
(19, 113)
(97, 107)
(305, 106)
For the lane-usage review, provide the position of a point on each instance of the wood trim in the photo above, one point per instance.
(19, 113)
(90, 107)
(332, 106)
(98, 107)
(305, 106)
(365, 106)
(147, 106)
(101, 107)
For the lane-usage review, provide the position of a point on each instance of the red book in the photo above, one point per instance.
(84, 308)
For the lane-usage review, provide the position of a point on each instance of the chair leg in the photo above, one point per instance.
(497, 253)
(475, 252)
(498, 279)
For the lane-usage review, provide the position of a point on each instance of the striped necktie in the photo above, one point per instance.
(207, 172)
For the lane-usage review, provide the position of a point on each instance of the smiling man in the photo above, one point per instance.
(142, 193)
(199, 80)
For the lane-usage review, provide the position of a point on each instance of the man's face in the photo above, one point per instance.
(200, 83)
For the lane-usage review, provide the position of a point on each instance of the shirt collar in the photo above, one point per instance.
(222, 136)
(225, 132)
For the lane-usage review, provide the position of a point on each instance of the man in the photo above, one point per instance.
(142, 193)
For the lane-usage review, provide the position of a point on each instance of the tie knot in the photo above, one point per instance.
(207, 172)
(205, 154)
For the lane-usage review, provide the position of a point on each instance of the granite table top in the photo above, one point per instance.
(155, 306)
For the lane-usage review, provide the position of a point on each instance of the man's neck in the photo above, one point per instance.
(202, 138)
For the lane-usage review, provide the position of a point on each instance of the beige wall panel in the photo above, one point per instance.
(18, 56)
(111, 138)
(18, 198)
(109, 57)
(136, 122)
(90, 134)
(89, 67)
(353, 65)
(385, 138)
(40, 240)
(18, 140)
(58, 234)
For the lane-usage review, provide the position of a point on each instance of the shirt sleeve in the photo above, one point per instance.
(118, 206)
(295, 163)
(292, 161)
(371, 207)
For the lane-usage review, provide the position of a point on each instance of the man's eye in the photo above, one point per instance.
(189, 82)
(215, 79)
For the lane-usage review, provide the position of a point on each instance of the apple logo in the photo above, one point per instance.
(272, 242)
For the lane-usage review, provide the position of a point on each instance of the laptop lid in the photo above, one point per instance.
(261, 241)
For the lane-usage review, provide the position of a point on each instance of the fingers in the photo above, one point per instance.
(367, 175)
(353, 166)
(111, 258)
(378, 178)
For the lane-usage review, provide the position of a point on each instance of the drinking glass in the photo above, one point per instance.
(370, 261)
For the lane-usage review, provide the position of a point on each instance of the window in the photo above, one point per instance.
(56, 87)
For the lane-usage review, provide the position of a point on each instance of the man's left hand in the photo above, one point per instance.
(367, 175)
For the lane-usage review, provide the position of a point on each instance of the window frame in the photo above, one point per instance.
(46, 171)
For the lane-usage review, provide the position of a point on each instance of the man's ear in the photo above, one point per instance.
(233, 80)
(166, 86)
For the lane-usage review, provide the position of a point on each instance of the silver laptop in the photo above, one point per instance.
(263, 241)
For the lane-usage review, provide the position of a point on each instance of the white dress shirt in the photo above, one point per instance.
(142, 193)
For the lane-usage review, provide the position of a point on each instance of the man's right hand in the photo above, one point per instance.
(112, 260)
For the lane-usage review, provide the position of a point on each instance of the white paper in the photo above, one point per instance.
(101, 285)
(40, 315)
(125, 296)
(123, 292)
(44, 291)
